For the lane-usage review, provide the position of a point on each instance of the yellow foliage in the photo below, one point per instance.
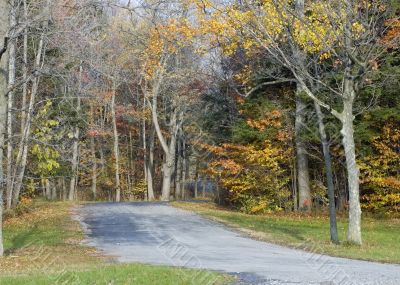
(380, 171)
(256, 176)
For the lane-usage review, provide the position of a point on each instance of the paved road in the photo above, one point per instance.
(160, 234)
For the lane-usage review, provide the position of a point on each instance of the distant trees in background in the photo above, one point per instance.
(275, 105)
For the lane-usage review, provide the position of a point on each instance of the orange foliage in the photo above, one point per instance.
(392, 37)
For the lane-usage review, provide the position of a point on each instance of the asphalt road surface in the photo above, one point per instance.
(156, 233)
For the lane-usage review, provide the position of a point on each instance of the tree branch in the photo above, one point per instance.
(269, 83)
(4, 48)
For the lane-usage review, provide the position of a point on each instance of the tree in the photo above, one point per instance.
(4, 25)
(336, 35)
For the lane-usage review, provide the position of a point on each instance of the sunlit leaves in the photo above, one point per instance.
(380, 171)
(45, 154)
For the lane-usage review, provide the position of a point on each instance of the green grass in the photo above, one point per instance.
(120, 274)
(42, 247)
(381, 238)
(42, 225)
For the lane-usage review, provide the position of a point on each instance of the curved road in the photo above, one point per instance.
(157, 233)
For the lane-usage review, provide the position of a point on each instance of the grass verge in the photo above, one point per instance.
(381, 240)
(43, 247)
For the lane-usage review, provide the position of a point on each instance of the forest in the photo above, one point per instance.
(262, 106)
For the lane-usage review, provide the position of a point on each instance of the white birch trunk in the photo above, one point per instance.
(24, 70)
(75, 158)
(4, 22)
(94, 167)
(11, 82)
(347, 118)
(94, 159)
(354, 230)
(116, 147)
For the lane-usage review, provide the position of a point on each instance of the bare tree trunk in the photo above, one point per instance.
(11, 82)
(354, 230)
(4, 22)
(21, 153)
(169, 150)
(75, 157)
(1, 213)
(178, 171)
(148, 164)
(168, 168)
(64, 189)
(47, 187)
(196, 178)
(53, 190)
(295, 200)
(329, 175)
(150, 167)
(94, 167)
(204, 186)
(144, 141)
(75, 146)
(185, 170)
(23, 147)
(131, 163)
(94, 159)
(347, 118)
(24, 70)
(116, 146)
(303, 176)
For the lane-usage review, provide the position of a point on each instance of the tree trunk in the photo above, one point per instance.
(329, 175)
(47, 187)
(75, 158)
(178, 172)
(1, 216)
(20, 163)
(24, 70)
(150, 167)
(354, 230)
(144, 141)
(204, 186)
(294, 183)
(94, 168)
(196, 178)
(53, 190)
(15, 187)
(303, 176)
(168, 167)
(116, 146)
(169, 150)
(75, 146)
(185, 172)
(94, 159)
(347, 118)
(64, 189)
(131, 164)
(4, 22)
(11, 82)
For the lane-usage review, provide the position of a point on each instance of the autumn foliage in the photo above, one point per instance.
(256, 176)
(381, 177)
